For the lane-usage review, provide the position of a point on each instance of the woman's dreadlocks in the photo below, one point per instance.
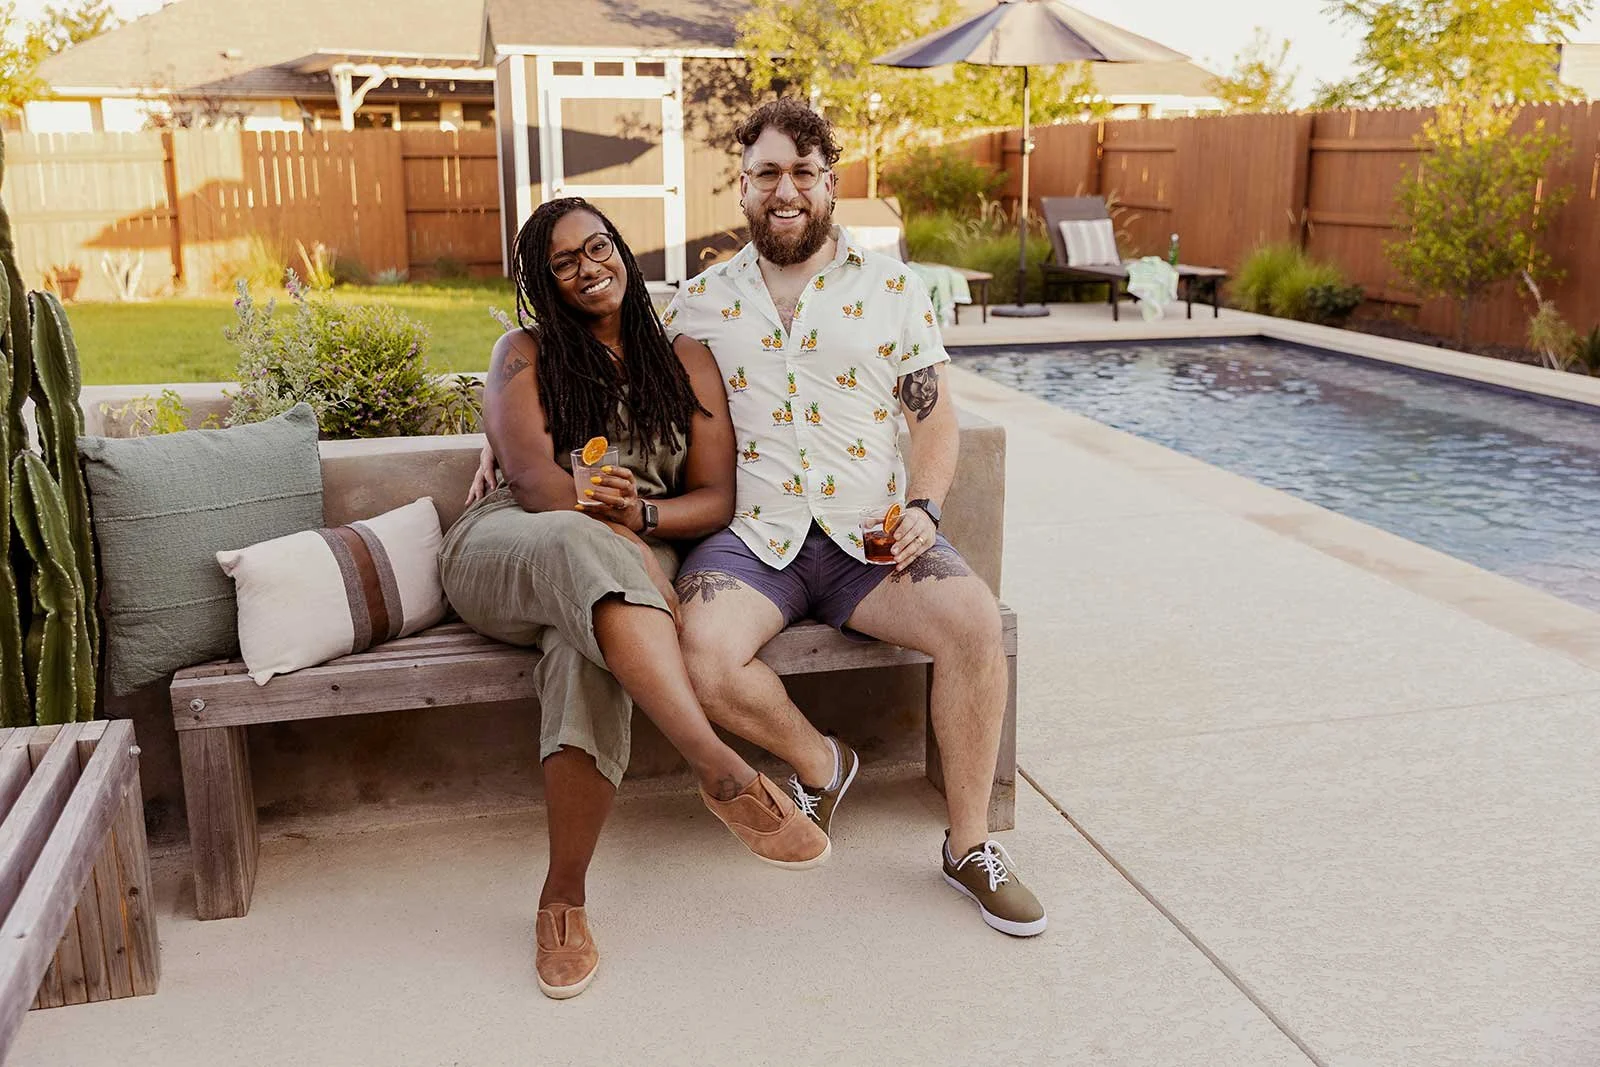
(579, 383)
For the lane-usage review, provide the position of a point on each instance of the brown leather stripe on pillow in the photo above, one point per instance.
(386, 582)
(363, 589)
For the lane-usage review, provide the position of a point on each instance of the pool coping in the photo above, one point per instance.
(1073, 326)
(1542, 619)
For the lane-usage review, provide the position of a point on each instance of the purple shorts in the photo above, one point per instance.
(824, 582)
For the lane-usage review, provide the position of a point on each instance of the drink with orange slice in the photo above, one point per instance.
(877, 533)
(588, 460)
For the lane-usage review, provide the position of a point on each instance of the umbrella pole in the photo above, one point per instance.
(1021, 310)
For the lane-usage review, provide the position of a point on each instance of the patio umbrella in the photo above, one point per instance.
(1028, 33)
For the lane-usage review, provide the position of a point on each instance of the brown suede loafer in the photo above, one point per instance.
(769, 824)
(566, 958)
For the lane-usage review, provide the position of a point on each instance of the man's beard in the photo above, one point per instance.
(786, 251)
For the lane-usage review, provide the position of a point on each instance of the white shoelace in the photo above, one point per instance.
(805, 801)
(989, 857)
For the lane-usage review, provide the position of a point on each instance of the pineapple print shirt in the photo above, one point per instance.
(815, 407)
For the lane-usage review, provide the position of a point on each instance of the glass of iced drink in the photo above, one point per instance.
(588, 460)
(877, 541)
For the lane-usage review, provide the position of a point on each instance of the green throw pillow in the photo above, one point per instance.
(164, 506)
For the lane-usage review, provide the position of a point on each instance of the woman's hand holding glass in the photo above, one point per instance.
(614, 497)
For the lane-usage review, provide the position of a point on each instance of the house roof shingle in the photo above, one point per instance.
(675, 24)
(223, 44)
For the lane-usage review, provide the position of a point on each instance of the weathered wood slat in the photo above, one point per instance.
(27, 828)
(52, 991)
(357, 687)
(39, 915)
(464, 668)
(222, 819)
(137, 897)
(114, 934)
(92, 951)
(14, 771)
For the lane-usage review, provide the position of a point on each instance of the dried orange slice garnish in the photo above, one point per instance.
(891, 518)
(595, 450)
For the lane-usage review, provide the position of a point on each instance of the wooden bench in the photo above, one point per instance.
(450, 664)
(79, 920)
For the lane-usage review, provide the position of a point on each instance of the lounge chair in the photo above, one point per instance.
(879, 225)
(1091, 256)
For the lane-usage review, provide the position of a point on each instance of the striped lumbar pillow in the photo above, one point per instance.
(1091, 242)
(313, 596)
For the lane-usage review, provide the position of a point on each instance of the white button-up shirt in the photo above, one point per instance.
(815, 407)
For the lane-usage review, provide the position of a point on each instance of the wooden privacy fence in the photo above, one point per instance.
(1325, 182)
(196, 207)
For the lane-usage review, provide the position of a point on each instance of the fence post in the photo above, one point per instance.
(1097, 172)
(169, 169)
(1300, 180)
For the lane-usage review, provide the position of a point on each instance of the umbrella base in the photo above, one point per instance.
(1020, 311)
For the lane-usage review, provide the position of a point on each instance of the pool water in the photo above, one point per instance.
(1506, 481)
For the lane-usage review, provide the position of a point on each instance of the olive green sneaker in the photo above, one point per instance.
(986, 875)
(818, 805)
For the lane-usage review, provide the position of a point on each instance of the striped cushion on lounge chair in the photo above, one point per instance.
(1091, 242)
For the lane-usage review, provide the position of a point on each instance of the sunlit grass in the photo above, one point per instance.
(181, 340)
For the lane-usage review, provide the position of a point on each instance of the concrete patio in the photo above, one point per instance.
(1298, 791)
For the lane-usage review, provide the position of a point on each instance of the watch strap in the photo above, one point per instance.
(927, 507)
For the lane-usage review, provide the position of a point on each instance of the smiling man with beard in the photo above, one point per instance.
(819, 342)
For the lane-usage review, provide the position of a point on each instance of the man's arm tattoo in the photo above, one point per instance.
(514, 364)
(919, 391)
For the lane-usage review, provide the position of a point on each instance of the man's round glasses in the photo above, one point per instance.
(596, 249)
(766, 176)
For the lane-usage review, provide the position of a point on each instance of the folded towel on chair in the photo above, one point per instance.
(1155, 282)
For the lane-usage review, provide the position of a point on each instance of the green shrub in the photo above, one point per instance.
(1287, 297)
(1333, 303)
(261, 266)
(147, 415)
(987, 243)
(361, 367)
(1282, 280)
(1586, 354)
(449, 268)
(1252, 289)
(929, 181)
(998, 255)
(936, 238)
(348, 271)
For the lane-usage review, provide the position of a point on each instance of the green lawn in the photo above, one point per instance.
(181, 340)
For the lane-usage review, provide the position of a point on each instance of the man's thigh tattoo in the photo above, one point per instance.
(706, 585)
(937, 563)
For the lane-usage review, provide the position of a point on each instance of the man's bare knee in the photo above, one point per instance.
(969, 626)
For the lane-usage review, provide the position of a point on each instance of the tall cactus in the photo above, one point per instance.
(47, 578)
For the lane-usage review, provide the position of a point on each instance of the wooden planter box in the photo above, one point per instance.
(79, 920)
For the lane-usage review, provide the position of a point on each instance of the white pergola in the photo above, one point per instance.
(355, 74)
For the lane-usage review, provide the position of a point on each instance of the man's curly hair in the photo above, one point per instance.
(792, 116)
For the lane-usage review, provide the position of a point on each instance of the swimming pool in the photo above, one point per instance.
(1503, 480)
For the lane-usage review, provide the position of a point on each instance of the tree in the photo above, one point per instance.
(1260, 79)
(65, 25)
(1433, 53)
(992, 96)
(1475, 208)
(21, 49)
(827, 47)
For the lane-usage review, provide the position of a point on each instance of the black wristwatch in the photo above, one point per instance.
(927, 507)
(652, 517)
